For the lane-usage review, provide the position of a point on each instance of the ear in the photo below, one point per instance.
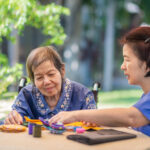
(144, 66)
(147, 70)
(63, 71)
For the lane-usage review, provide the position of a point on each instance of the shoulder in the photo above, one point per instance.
(27, 89)
(24, 93)
(79, 87)
(145, 99)
(79, 91)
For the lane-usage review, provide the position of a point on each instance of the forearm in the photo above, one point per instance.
(104, 117)
(109, 117)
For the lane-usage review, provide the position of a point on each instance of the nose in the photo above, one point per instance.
(122, 66)
(46, 80)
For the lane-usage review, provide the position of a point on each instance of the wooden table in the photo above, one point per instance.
(24, 141)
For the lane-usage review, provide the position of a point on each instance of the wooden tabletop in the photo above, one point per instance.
(48, 141)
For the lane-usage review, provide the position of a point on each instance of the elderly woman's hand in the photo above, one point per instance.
(13, 118)
(64, 117)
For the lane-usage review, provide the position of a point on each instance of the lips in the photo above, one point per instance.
(49, 88)
(127, 76)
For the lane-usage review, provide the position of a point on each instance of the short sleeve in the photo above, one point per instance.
(143, 105)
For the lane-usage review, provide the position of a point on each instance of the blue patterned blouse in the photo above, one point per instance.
(30, 102)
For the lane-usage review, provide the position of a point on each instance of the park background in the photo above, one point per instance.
(86, 34)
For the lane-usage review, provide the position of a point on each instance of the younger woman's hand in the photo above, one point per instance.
(64, 117)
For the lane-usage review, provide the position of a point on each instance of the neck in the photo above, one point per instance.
(146, 85)
(52, 101)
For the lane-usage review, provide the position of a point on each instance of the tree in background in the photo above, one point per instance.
(15, 15)
(8, 75)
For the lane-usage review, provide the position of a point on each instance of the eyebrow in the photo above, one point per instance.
(49, 71)
(126, 56)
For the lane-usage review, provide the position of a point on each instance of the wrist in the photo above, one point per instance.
(76, 115)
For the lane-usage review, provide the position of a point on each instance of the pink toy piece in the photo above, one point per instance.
(80, 130)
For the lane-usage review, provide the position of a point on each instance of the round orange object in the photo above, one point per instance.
(12, 128)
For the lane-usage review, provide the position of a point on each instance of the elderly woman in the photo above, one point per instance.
(50, 92)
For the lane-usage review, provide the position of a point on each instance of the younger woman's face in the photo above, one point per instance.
(134, 69)
(48, 79)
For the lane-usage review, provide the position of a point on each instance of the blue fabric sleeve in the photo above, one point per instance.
(21, 105)
(143, 105)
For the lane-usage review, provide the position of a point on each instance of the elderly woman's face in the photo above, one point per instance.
(48, 79)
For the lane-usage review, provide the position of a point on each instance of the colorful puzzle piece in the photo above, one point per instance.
(35, 121)
(81, 124)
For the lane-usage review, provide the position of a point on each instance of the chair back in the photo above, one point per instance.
(95, 90)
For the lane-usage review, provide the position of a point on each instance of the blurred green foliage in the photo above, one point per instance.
(16, 14)
(119, 98)
(8, 75)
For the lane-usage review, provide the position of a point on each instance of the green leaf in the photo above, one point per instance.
(16, 14)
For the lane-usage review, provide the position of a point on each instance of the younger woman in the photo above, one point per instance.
(136, 67)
